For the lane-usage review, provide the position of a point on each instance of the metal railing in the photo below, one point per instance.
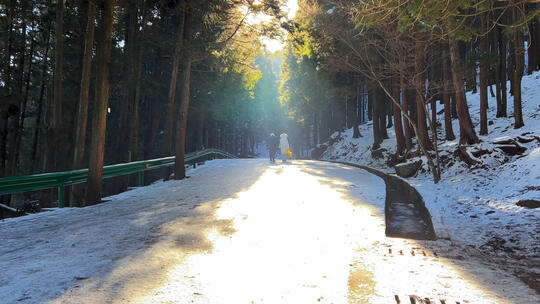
(26, 183)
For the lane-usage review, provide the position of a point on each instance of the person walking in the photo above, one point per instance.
(284, 146)
(272, 144)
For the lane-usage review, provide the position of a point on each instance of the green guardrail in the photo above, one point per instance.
(26, 183)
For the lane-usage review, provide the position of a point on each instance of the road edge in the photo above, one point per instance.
(397, 188)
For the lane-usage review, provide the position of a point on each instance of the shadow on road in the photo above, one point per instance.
(321, 238)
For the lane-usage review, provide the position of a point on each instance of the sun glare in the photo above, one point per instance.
(273, 44)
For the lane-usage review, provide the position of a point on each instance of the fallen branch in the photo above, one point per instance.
(12, 212)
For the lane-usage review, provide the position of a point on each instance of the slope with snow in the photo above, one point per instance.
(475, 208)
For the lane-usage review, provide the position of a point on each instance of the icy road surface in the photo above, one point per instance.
(240, 231)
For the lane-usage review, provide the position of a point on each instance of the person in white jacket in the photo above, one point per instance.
(283, 146)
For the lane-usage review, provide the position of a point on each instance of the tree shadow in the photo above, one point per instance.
(120, 250)
(466, 263)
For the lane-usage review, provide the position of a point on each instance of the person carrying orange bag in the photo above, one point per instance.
(284, 146)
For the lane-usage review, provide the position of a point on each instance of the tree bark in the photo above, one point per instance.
(55, 107)
(405, 105)
(155, 110)
(382, 116)
(483, 78)
(501, 109)
(122, 140)
(447, 89)
(419, 83)
(533, 47)
(497, 72)
(169, 123)
(179, 162)
(35, 140)
(374, 98)
(134, 136)
(466, 129)
(22, 51)
(24, 103)
(356, 112)
(77, 194)
(99, 119)
(9, 42)
(400, 137)
(474, 84)
(517, 70)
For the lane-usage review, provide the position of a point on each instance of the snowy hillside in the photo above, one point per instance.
(475, 206)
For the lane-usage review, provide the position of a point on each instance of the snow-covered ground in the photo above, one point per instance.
(475, 208)
(240, 231)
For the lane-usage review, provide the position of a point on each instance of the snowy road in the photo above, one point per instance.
(240, 231)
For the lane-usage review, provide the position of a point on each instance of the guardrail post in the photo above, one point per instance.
(141, 178)
(61, 197)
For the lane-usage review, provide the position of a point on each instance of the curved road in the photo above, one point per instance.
(240, 231)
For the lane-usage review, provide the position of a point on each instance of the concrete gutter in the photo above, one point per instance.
(401, 196)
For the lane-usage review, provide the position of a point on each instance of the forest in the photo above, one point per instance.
(88, 83)
(392, 62)
(270, 151)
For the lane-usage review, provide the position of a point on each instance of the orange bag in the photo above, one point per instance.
(289, 153)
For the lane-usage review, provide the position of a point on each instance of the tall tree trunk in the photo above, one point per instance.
(99, 119)
(390, 113)
(22, 51)
(419, 83)
(9, 43)
(169, 123)
(4, 92)
(155, 110)
(483, 77)
(400, 137)
(405, 105)
(511, 63)
(82, 110)
(122, 142)
(447, 89)
(374, 99)
(179, 161)
(466, 129)
(346, 104)
(517, 69)
(35, 140)
(134, 136)
(356, 111)
(453, 103)
(474, 84)
(497, 72)
(22, 117)
(382, 117)
(501, 109)
(54, 112)
(532, 45)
